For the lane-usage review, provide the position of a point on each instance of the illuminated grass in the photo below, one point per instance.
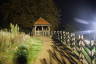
(88, 59)
(34, 48)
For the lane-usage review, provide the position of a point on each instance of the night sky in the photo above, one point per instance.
(84, 10)
(72, 10)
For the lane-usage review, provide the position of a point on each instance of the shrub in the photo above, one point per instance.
(21, 55)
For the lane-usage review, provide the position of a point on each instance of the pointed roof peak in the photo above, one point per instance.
(41, 21)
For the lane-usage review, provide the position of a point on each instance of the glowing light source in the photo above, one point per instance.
(93, 27)
(84, 32)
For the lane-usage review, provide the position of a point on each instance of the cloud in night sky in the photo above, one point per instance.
(81, 21)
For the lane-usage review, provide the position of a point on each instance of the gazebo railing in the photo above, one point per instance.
(42, 33)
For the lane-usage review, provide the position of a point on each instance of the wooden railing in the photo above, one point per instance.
(42, 33)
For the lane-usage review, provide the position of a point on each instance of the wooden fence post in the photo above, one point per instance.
(64, 41)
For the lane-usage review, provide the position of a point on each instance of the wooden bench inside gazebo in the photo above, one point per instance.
(41, 27)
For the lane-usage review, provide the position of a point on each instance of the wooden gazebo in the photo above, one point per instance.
(41, 27)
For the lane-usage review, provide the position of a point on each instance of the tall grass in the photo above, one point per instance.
(11, 40)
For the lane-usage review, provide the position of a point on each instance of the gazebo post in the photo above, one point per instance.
(49, 30)
(35, 30)
(42, 31)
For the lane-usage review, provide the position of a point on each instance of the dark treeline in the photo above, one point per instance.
(25, 12)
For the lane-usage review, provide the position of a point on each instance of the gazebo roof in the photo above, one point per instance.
(41, 21)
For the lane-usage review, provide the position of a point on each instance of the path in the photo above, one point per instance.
(47, 42)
